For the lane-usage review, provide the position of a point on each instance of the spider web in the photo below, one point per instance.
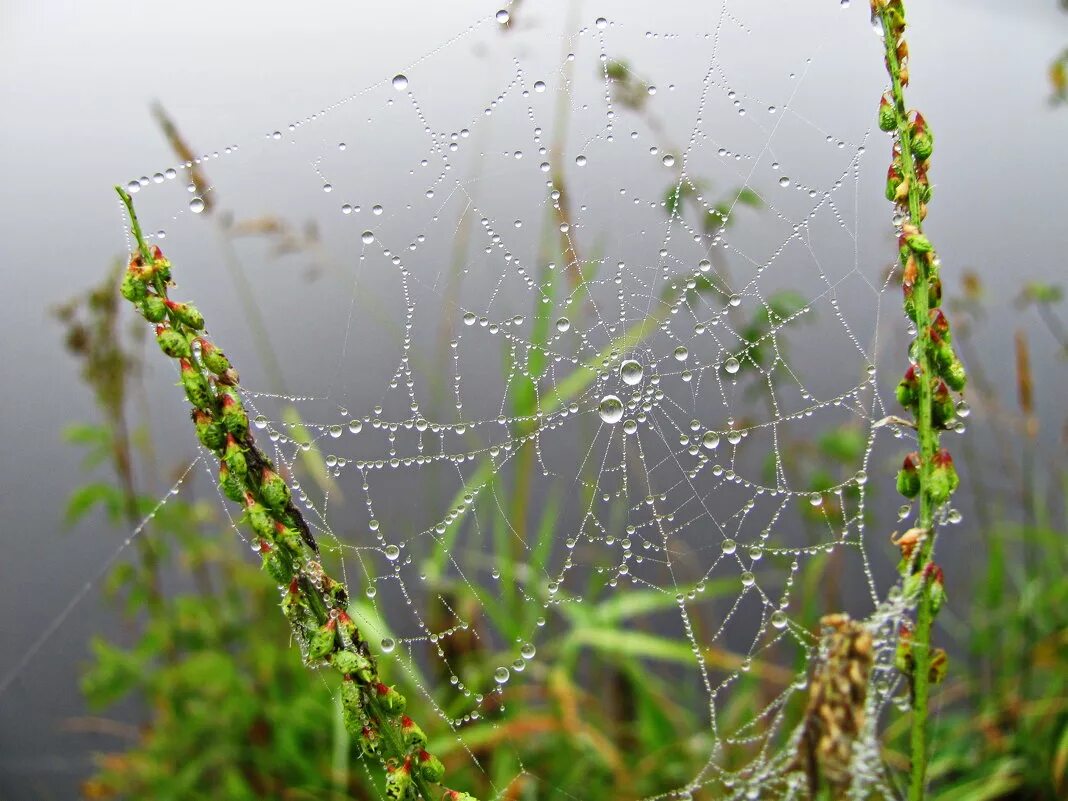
(587, 305)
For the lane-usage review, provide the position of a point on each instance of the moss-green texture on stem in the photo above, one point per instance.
(314, 603)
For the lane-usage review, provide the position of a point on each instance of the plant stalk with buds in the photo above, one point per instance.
(934, 371)
(314, 603)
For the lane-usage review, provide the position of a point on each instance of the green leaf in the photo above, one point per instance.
(83, 499)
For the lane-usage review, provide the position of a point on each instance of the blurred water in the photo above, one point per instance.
(75, 87)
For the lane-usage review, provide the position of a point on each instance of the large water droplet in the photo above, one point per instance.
(392, 553)
(778, 619)
(400, 82)
(500, 675)
(368, 237)
(528, 651)
(388, 644)
(784, 181)
(563, 324)
(539, 86)
(732, 365)
(196, 205)
(729, 546)
(610, 409)
(710, 440)
(631, 372)
(681, 354)
(502, 17)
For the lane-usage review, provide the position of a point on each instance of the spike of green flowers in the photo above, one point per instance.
(934, 363)
(313, 603)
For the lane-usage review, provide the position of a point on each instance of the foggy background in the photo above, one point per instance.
(76, 83)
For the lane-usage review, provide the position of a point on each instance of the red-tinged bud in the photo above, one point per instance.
(234, 457)
(196, 386)
(213, 358)
(887, 115)
(172, 343)
(229, 485)
(939, 324)
(942, 479)
(907, 542)
(287, 538)
(352, 664)
(160, 265)
(399, 781)
(942, 407)
(903, 656)
(323, 641)
(430, 767)
(292, 606)
(232, 416)
(186, 313)
(258, 517)
(390, 700)
(370, 744)
(908, 388)
(908, 477)
(411, 732)
(210, 433)
(893, 182)
(274, 490)
(153, 308)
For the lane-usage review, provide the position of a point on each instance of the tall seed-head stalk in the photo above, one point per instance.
(314, 603)
(934, 371)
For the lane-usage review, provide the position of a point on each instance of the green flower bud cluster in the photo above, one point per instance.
(313, 602)
(935, 371)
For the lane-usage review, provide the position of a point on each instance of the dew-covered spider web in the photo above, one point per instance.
(577, 321)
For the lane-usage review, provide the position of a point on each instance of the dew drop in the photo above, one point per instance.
(528, 651)
(580, 161)
(539, 86)
(563, 324)
(732, 365)
(681, 353)
(610, 409)
(376, 209)
(196, 205)
(392, 553)
(778, 619)
(502, 18)
(500, 675)
(729, 546)
(260, 422)
(710, 440)
(469, 318)
(400, 82)
(631, 372)
(367, 237)
(601, 23)
(668, 160)
(784, 181)
(388, 644)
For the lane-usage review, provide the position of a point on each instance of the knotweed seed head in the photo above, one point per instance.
(370, 743)
(887, 115)
(133, 288)
(258, 518)
(835, 714)
(908, 389)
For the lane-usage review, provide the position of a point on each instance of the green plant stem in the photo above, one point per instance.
(927, 434)
(315, 604)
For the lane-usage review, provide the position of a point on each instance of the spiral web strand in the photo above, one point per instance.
(569, 358)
